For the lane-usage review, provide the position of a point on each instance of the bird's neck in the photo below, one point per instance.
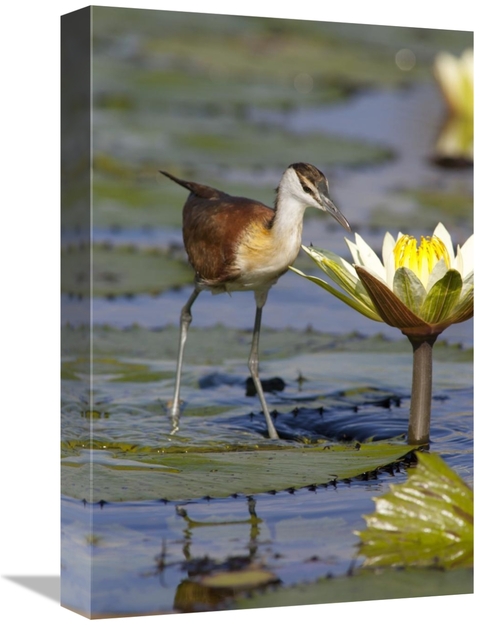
(289, 215)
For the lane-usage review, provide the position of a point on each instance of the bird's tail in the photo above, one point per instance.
(198, 189)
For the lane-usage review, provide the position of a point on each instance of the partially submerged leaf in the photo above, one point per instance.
(427, 521)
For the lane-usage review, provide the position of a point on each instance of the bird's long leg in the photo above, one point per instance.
(186, 319)
(253, 362)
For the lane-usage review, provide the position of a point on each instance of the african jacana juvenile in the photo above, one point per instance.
(237, 244)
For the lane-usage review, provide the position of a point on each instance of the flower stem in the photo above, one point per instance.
(421, 391)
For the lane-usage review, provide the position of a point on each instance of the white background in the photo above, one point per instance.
(29, 281)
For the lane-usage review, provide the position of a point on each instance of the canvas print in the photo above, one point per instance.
(267, 307)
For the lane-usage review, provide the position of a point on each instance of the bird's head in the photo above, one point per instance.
(308, 185)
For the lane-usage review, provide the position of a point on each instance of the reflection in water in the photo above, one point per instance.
(149, 554)
(455, 143)
(211, 582)
(191, 524)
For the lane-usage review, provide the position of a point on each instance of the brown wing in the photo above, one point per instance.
(212, 231)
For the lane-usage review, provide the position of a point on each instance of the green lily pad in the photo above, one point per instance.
(204, 344)
(244, 50)
(366, 586)
(271, 147)
(452, 205)
(164, 474)
(122, 271)
(427, 521)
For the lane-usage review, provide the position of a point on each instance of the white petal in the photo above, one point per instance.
(353, 248)
(447, 72)
(369, 259)
(388, 258)
(388, 247)
(443, 234)
(467, 254)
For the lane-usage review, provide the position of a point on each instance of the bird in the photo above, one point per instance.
(239, 244)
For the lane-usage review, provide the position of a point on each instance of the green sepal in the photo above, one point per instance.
(392, 310)
(340, 272)
(442, 298)
(409, 289)
(353, 303)
(464, 310)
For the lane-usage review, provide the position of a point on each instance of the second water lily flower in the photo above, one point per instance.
(455, 76)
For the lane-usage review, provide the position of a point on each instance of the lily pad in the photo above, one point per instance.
(178, 476)
(273, 148)
(366, 586)
(122, 271)
(452, 205)
(246, 50)
(204, 344)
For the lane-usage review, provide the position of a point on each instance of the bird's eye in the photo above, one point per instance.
(307, 189)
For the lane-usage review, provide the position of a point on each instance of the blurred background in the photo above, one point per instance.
(231, 102)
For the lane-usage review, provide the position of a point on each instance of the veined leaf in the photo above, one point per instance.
(427, 521)
(191, 475)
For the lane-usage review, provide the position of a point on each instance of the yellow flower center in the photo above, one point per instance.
(421, 259)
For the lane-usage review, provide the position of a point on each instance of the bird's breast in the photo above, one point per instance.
(262, 257)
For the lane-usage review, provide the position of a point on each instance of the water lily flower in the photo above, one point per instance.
(455, 77)
(419, 287)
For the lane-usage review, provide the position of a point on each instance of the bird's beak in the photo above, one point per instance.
(330, 207)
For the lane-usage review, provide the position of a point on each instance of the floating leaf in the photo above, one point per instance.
(427, 521)
(121, 271)
(366, 585)
(191, 475)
